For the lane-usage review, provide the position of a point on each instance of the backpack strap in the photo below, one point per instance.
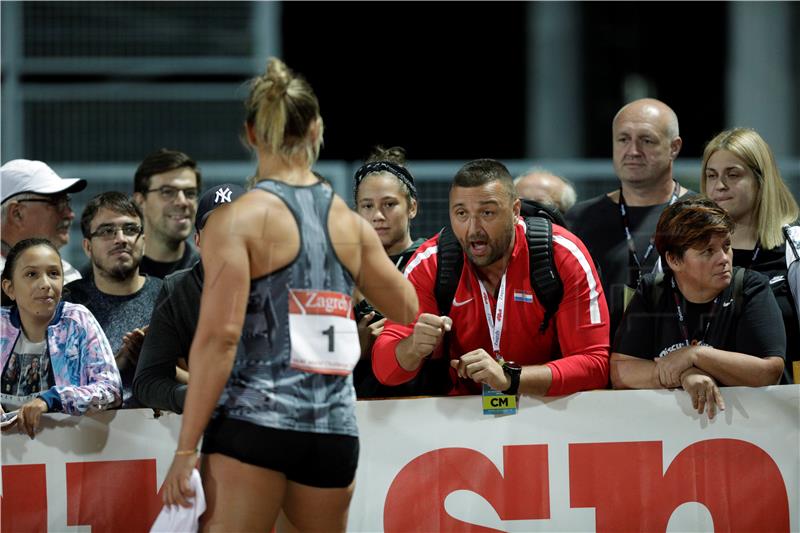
(532, 208)
(656, 289)
(792, 236)
(546, 282)
(450, 262)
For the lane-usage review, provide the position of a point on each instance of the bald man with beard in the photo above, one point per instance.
(618, 227)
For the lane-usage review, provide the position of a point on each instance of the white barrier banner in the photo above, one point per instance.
(595, 461)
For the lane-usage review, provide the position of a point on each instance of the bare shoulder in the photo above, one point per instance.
(262, 224)
(343, 223)
(260, 214)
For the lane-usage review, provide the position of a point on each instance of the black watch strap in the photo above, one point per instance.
(513, 371)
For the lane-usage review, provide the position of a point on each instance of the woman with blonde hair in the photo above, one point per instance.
(740, 174)
(276, 342)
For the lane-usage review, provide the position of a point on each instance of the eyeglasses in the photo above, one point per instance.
(59, 202)
(169, 194)
(109, 231)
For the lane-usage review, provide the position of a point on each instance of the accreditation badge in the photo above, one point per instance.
(497, 403)
(627, 296)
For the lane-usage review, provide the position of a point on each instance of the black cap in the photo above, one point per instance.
(213, 198)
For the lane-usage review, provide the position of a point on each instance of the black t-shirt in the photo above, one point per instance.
(364, 380)
(651, 329)
(400, 260)
(598, 224)
(159, 269)
(772, 263)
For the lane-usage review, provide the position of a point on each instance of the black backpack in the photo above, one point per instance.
(545, 281)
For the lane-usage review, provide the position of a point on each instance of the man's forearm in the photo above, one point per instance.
(535, 380)
(407, 357)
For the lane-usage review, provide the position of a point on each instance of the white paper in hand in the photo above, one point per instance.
(175, 519)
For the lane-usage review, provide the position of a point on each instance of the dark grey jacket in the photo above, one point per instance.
(169, 337)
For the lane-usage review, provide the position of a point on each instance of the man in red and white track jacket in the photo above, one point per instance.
(569, 356)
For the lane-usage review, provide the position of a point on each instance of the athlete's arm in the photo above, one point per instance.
(359, 249)
(222, 311)
(380, 281)
(393, 364)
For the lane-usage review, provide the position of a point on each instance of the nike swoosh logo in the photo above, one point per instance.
(726, 304)
(459, 304)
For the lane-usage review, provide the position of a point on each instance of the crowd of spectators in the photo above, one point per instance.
(607, 253)
(286, 304)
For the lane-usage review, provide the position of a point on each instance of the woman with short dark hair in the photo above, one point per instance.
(703, 323)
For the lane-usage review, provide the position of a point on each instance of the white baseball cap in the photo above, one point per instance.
(23, 175)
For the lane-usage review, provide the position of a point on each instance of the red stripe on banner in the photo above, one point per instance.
(310, 302)
(113, 496)
(24, 503)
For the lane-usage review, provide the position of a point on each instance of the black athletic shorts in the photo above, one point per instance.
(316, 459)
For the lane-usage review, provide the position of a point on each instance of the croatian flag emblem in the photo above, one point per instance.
(520, 296)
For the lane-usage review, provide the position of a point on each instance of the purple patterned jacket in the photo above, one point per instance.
(84, 370)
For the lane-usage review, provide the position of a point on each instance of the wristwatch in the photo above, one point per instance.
(513, 371)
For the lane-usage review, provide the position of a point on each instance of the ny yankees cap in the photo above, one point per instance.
(214, 197)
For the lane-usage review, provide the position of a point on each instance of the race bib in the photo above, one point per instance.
(323, 332)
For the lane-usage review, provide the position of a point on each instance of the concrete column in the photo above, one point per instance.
(266, 32)
(11, 112)
(759, 90)
(554, 121)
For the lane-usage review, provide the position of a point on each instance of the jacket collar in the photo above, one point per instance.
(17, 323)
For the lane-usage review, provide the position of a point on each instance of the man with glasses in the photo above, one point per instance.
(117, 294)
(166, 186)
(161, 375)
(35, 203)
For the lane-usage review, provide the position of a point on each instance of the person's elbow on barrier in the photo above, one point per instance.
(616, 371)
(628, 372)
